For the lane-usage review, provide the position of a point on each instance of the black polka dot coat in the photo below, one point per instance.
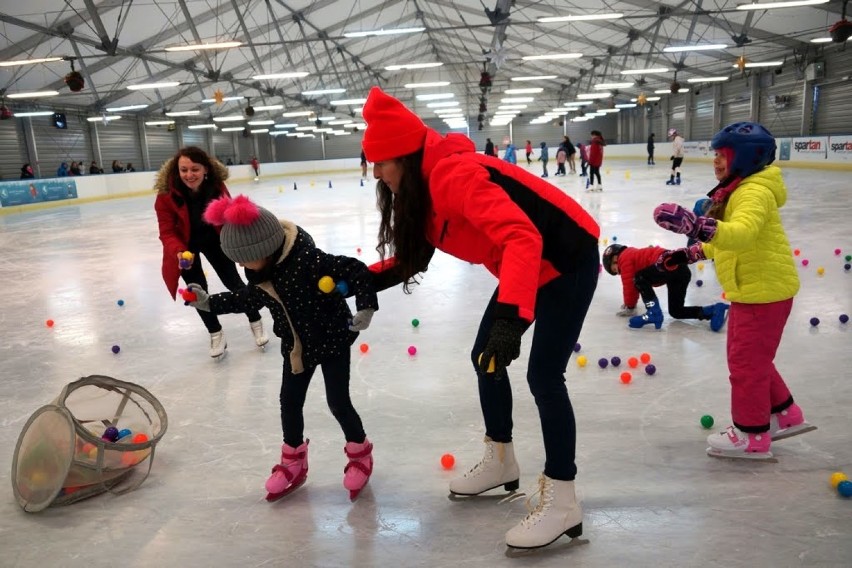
(312, 325)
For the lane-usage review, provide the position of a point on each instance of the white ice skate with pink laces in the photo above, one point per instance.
(736, 444)
(788, 423)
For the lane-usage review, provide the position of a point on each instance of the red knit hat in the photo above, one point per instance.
(393, 130)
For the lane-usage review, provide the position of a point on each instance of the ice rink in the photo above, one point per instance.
(651, 495)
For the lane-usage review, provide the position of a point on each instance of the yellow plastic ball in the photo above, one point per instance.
(490, 364)
(837, 477)
(820, 270)
(187, 255)
(582, 360)
(700, 266)
(326, 284)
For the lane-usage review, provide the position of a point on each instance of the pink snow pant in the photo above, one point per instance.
(757, 390)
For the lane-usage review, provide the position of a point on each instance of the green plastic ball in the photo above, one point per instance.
(707, 421)
(415, 322)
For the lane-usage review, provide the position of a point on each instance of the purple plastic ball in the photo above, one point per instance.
(650, 369)
(847, 266)
(814, 322)
(844, 318)
(110, 434)
(577, 347)
(602, 362)
(116, 349)
(699, 283)
(615, 361)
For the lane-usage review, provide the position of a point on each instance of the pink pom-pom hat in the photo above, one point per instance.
(249, 232)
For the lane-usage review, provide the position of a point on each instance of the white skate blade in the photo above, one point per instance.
(511, 487)
(802, 428)
(517, 552)
(740, 455)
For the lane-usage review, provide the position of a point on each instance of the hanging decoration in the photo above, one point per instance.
(741, 63)
(842, 30)
(74, 80)
(218, 97)
(642, 99)
(249, 108)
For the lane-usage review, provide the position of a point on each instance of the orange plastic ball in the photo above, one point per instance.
(129, 458)
(797, 252)
(724, 296)
(364, 347)
(140, 439)
(645, 357)
(626, 377)
(448, 461)
(633, 362)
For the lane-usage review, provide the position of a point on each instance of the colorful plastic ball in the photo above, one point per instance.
(358, 250)
(326, 284)
(848, 258)
(110, 434)
(140, 438)
(645, 357)
(633, 362)
(577, 347)
(120, 303)
(93, 453)
(129, 458)
(836, 478)
(837, 252)
(412, 350)
(700, 266)
(87, 448)
(805, 262)
(699, 283)
(626, 378)
(189, 296)
(845, 488)
(342, 287)
(843, 318)
(116, 349)
(820, 270)
(814, 322)
(124, 432)
(415, 322)
(448, 461)
(582, 360)
(364, 347)
(847, 266)
(187, 255)
(603, 362)
(491, 366)
(650, 369)
(615, 361)
(49, 323)
(724, 296)
(707, 421)
(797, 252)
(614, 238)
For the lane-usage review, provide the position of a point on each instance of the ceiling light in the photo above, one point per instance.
(229, 118)
(445, 110)
(305, 128)
(341, 133)
(288, 125)
(128, 107)
(608, 86)
(512, 100)
(292, 75)
(581, 18)
(821, 40)
(511, 107)
(761, 64)
(531, 90)
(268, 107)
(156, 122)
(773, 5)
(355, 125)
(680, 48)
(202, 46)
(441, 104)
(183, 113)
(644, 71)
(412, 66)
(34, 113)
(610, 110)
(384, 32)
(552, 56)
(323, 92)
(424, 85)
(669, 91)
(225, 99)
(29, 61)
(534, 78)
(652, 99)
(323, 130)
(435, 96)
(344, 102)
(591, 96)
(340, 122)
(162, 85)
(626, 105)
(31, 95)
(327, 118)
(261, 122)
(259, 131)
(233, 129)
(707, 79)
(296, 113)
(200, 126)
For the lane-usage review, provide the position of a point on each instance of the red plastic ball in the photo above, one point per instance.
(626, 377)
(448, 461)
(364, 347)
(49, 323)
(189, 296)
(140, 438)
(633, 362)
(645, 357)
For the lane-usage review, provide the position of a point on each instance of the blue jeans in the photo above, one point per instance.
(560, 310)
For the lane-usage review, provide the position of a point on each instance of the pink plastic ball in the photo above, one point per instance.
(837, 252)
(412, 350)
(805, 262)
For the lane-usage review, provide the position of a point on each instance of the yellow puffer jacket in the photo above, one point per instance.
(754, 262)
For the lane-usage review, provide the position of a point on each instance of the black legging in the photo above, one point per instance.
(677, 282)
(294, 390)
(227, 272)
(594, 171)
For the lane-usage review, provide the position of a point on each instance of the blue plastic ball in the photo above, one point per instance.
(342, 287)
(602, 363)
(616, 361)
(116, 349)
(845, 488)
(847, 266)
(650, 369)
(814, 322)
(110, 434)
(614, 238)
(577, 347)
(844, 318)
(120, 302)
(124, 432)
(699, 283)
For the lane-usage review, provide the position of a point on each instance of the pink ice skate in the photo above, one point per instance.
(788, 423)
(357, 472)
(290, 473)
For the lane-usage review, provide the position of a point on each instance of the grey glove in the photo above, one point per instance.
(361, 320)
(626, 312)
(197, 297)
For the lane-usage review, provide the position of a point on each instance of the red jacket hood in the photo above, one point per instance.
(437, 147)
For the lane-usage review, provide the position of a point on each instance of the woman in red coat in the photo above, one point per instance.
(541, 245)
(596, 152)
(185, 185)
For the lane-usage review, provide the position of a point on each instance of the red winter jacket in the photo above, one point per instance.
(596, 145)
(486, 211)
(630, 261)
(173, 220)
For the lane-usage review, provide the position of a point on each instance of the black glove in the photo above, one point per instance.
(503, 345)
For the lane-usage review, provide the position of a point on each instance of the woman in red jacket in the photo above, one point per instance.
(185, 185)
(437, 192)
(596, 153)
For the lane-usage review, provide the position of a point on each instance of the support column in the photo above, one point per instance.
(754, 106)
(689, 100)
(807, 124)
(717, 108)
(32, 150)
(143, 143)
(96, 143)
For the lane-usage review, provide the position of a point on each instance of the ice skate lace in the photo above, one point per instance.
(545, 492)
(489, 455)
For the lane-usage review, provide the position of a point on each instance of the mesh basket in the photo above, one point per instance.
(67, 450)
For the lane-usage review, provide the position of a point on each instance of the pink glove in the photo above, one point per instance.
(675, 218)
(671, 259)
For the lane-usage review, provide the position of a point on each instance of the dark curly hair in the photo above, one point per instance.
(210, 186)
(402, 233)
